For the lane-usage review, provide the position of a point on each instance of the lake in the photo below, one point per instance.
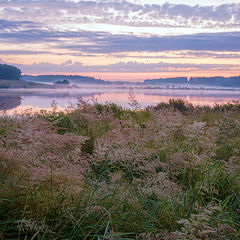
(22, 99)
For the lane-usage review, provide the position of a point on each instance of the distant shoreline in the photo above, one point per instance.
(174, 82)
(178, 83)
(18, 84)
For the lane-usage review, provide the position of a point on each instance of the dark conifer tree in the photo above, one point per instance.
(9, 72)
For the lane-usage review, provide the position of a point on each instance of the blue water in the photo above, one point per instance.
(42, 98)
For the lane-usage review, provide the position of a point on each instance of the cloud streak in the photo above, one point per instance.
(103, 42)
(126, 43)
(125, 13)
(21, 52)
(131, 67)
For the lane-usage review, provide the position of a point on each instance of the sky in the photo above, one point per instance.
(129, 40)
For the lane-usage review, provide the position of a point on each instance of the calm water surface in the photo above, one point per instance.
(21, 99)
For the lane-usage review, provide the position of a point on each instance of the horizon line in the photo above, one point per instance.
(132, 80)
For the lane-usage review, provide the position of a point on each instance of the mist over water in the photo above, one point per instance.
(13, 99)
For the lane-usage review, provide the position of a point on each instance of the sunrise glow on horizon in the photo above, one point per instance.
(130, 40)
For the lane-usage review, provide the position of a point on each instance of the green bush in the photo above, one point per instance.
(104, 172)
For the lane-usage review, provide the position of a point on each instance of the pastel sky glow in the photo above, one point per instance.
(122, 40)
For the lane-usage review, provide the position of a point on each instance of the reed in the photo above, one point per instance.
(100, 171)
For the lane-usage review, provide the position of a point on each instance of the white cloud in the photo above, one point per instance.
(131, 67)
(125, 13)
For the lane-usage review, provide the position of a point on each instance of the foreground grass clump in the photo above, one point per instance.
(103, 172)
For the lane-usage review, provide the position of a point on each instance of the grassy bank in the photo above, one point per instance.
(103, 172)
(22, 84)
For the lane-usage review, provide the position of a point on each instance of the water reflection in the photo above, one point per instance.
(9, 102)
(152, 99)
(42, 98)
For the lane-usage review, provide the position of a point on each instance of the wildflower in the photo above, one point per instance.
(94, 210)
(28, 225)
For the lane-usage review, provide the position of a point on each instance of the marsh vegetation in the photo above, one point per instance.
(100, 171)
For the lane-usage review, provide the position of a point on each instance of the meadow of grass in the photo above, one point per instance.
(100, 171)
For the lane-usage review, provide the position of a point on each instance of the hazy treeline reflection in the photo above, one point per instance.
(42, 98)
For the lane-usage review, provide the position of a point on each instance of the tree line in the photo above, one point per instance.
(9, 72)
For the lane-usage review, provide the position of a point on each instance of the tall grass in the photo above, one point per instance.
(104, 172)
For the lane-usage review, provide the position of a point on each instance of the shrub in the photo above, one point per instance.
(103, 172)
